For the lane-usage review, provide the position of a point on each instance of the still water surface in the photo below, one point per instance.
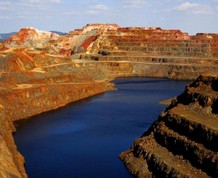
(85, 138)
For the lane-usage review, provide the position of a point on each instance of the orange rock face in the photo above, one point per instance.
(183, 140)
(35, 82)
(152, 41)
(11, 160)
(156, 52)
(41, 71)
(28, 37)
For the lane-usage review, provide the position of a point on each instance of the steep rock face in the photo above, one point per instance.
(152, 52)
(81, 40)
(11, 161)
(41, 71)
(32, 82)
(31, 37)
(183, 141)
(32, 99)
(156, 52)
(36, 82)
(75, 41)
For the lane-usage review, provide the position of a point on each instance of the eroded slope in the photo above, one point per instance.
(183, 141)
(41, 71)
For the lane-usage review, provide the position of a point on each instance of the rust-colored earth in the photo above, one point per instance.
(41, 71)
(183, 141)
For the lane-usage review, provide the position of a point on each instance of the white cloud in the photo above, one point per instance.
(45, 5)
(42, 1)
(70, 13)
(26, 9)
(194, 8)
(96, 9)
(55, 1)
(99, 7)
(5, 17)
(41, 4)
(92, 12)
(23, 17)
(5, 5)
(135, 3)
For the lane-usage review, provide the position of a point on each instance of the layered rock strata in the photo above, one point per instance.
(41, 71)
(183, 141)
(155, 52)
(152, 52)
(11, 161)
(32, 82)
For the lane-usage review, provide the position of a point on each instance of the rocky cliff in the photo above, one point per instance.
(183, 141)
(152, 52)
(33, 81)
(156, 52)
(11, 161)
(41, 71)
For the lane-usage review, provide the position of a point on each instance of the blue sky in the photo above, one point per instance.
(191, 16)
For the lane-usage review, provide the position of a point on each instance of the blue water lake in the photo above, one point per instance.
(84, 139)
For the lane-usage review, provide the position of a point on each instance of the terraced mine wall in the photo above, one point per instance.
(32, 83)
(154, 69)
(152, 52)
(42, 71)
(28, 100)
(155, 52)
(183, 141)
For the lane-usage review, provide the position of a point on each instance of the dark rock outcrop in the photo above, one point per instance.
(183, 141)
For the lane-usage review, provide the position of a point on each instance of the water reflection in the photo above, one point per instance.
(85, 138)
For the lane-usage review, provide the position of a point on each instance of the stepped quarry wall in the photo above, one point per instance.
(173, 53)
(182, 142)
(42, 71)
(32, 82)
(155, 52)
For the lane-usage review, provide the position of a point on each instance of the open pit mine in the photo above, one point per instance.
(41, 71)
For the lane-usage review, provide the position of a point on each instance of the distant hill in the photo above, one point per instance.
(59, 33)
(4, 36)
